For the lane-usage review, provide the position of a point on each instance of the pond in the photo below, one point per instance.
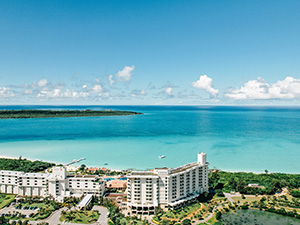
(256, 217)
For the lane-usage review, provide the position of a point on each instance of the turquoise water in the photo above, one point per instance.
(235, 138)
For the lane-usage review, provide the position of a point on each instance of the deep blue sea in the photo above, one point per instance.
(234, 138)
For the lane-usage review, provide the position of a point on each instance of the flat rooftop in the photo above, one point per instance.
(143, 173)
(184, 167)
(34, 175)
(171, 171)
(8, 172)
(81, 176)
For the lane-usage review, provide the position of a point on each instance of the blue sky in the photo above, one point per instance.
(150, 52)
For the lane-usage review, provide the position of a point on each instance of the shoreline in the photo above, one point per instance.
(113, 169)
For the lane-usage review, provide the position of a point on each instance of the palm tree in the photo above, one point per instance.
(69, 206)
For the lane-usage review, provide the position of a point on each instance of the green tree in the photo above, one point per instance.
(3, 220)
(164, 222)
(218, 215)
(186, 222)
(82, 168)
(213, 179)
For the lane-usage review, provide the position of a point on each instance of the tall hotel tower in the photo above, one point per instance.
(166, 188)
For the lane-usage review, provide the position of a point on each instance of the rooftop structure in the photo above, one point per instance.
(116, 184)
(165, 187)
(85, 201)
(58, 184)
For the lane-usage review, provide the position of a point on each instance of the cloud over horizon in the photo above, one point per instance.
(259, 89)
(98, 89)
(205, 83)
(126, 73)
(6, 93)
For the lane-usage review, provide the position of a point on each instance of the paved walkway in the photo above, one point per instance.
(195, 212)
(209, 217)
(103, 219)
(229, 197)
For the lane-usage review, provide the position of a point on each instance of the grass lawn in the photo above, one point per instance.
(289, 197)
(212, 220)
(181, 213)
(6, 199)
(76, 216)
(247, 199)
(39, 205)
(218, 197)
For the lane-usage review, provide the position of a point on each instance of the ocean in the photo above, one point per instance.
(234, 138)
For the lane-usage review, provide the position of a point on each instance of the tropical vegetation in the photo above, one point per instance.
(24, 165)
(269, 183)
(79, 216)
(6, 199)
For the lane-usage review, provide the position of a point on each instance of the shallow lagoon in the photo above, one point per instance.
(235, 138)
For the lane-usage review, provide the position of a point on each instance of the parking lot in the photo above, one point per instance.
(13, 209)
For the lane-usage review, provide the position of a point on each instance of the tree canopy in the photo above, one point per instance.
(24, 165)
(269, 183)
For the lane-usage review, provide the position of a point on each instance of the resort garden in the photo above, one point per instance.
(79, 216)
(6, 199)
(32, 208)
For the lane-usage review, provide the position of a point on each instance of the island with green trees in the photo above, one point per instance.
(32, 113)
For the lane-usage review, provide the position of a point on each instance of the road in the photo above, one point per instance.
(103, 219)
(53, 219)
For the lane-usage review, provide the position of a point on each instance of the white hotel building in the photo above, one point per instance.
(58, 184)
(165, 187)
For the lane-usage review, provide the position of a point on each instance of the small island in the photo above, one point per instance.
(32, 113)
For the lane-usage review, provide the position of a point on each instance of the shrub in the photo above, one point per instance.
(218, 215)
(186, 222)
(295, 193)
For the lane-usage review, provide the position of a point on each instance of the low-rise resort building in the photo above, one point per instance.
(58, 184)
(146, 190)
(166, 188)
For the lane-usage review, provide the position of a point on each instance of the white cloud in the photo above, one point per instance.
(6, 93)
(105, 95)
(143, 92)
(42, 83)
(205, 83)
(84, 86)
(168, 91)
(138, 93)
(125, 74)
(111, 80)
(59, 94)
(289, 88)
(97, 88)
